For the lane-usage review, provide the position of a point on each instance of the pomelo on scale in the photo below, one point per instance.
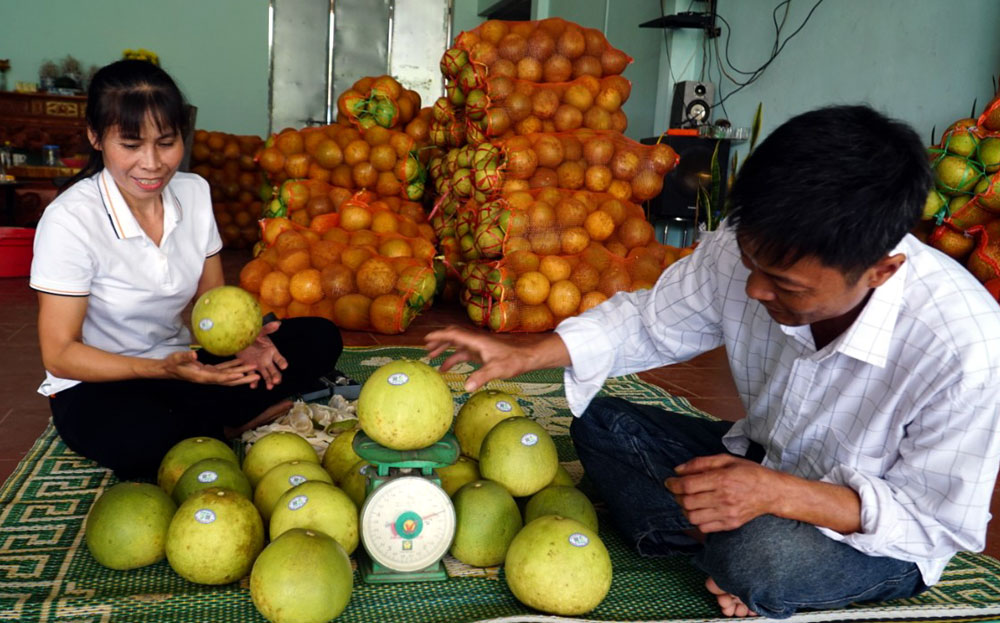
(405, 405)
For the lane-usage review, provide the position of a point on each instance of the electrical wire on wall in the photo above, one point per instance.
(721, 61)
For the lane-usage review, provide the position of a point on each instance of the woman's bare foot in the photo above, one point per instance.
(268, 415)
(730, 604)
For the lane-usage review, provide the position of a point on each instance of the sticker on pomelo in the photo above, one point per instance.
(503, 405)
(296, 480)
(529, 439)
(208, 476)
(297, 502)
(204, 516)
(578, 540)
(398, 379)
(206, 324)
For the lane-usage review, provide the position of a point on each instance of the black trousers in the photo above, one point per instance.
(129, 425)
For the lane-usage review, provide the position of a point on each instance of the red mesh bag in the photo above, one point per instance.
(584, 159)
(381, 101)
(952, 241)
(984, 261)
(318, 206)
(551, 221)
(990, 119)
(505, 107)
(360, 282)
(386, 161)
(549, 50)
(526, 292)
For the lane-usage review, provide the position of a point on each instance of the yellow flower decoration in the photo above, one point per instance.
(141, 54)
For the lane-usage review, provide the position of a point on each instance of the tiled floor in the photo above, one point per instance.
(705, 380)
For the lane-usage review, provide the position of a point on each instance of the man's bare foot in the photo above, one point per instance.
(268, 415)
(730, 604)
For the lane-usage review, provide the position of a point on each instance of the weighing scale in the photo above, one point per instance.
(407, 521)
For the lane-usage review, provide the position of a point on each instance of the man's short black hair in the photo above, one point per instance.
(842, 184)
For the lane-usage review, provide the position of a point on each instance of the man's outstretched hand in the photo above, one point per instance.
(500, 359)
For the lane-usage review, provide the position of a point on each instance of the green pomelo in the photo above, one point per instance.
(563, 501)
(955, 174)
(562, 478)
(319, 506)
(127, 526)
(405, 405)
(214, 537)
(955, 203)
(226, 320)
(487, 519)
(559, 566)
(208, 473)
(933, 204)
(283, 477)
(303, 576)
(520, 455)
(340, 455)
(960, 142)
(355, 482)
(273, 449)
(479, 414)
(459, 473)
(186, 453)
(989, 154)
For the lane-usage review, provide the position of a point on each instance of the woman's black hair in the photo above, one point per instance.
(841, 184)
(123, 94)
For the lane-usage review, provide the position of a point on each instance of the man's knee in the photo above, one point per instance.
(598, 419)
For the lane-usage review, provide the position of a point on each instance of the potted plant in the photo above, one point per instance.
(708, 197)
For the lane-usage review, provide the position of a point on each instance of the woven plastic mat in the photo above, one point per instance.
(47, 574)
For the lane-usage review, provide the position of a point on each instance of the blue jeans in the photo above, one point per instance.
(775, 566)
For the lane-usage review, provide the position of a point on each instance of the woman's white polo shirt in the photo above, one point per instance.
(89, 244)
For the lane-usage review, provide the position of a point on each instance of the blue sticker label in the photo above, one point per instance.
(398, 379)
(297, 502)
(529, 439)
(205, 324)
(204, 516)
(207, 476)
(578, 540)
(503, 405)
(296, 480)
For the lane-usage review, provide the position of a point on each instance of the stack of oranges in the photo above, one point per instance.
(227, 162)
(363, 266)
(539, 208)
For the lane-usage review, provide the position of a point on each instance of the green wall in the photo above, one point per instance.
(923, 61)
(216, 50)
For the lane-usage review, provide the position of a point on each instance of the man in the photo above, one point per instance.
(868, 364)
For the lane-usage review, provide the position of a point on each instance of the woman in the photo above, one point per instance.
(118, 256)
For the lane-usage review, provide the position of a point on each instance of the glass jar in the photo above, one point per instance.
(50, 155)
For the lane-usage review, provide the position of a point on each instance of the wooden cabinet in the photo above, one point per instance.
(31, 120)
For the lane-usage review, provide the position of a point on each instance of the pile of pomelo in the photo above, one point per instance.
(289, 518)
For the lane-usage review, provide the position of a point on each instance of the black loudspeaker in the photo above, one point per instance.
(692, 105)
(680, 184)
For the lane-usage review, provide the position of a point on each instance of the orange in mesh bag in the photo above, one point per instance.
(386, 161)
(554, 221)
(529, 292)
(506, 107)
(598, 161)
(984, 261)
(360, 283)
(549, 50)
(990, 119)
(381, 101)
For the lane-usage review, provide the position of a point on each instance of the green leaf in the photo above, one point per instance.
(755, 127)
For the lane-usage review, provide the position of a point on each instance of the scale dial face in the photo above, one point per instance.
(407, 524)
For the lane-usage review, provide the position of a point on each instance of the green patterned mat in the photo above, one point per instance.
(47, 574)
